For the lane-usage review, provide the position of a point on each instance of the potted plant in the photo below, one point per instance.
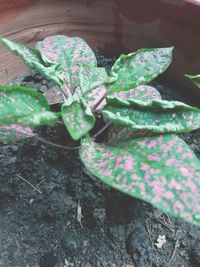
(142, 155)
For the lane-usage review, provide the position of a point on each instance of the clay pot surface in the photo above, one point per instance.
(113, 26)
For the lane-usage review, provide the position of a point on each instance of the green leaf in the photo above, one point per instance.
(160, 170)
(138, 68)
(142, 92)
(38, 119)
(155, 116)
(69, 53)
(75, 49)
(91, 77)
(13, 133)
(90, 85)
(32, 59)
(194, 78)
(77, 117)
(21, 105)
(92, 80)
(146, 146)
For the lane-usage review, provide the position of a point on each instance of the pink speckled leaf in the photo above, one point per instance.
(155, 116)
(69, 53)
(32, 59)
(90, 86)
(138, 68)
(77, 117)
(13, 133)
(21, 105)
(161, 170)
(142, 92)
(90, 78)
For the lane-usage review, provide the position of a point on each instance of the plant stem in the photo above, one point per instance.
(99, 102)
(56, 145)
(102, 129)
(63, 92)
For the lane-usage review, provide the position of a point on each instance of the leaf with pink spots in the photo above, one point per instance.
(21, 105)
(142, 92)
(68, 53)
(161, 170)
(194, 78)
(154, 116)
(138, 68)
(13, 133)
(90, 78)
(77, 117)
(32, 59)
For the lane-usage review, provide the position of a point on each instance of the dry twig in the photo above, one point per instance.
(36, 189)
(176, 246)
(101, 260)
(79, 215)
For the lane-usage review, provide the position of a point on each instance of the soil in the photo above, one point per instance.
(39, 226)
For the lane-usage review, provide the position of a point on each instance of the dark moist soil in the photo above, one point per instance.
(39, 227)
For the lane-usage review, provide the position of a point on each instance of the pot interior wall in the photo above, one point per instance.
(112, 26)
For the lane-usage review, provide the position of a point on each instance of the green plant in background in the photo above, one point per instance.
(142, 155)
(194, 78)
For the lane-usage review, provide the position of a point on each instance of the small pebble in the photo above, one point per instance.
(43, 88)
(44, 81)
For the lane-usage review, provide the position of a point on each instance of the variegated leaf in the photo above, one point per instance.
(69, 53)
(155, 116)
(194, 78)
(91, 85)
(138, 68)
(91, 77)
(160, 170)
(13, 133)
(77, 117)
(142, 92)
(33, 60)
(21, 105)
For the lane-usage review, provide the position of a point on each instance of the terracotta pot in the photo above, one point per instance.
(113, 26)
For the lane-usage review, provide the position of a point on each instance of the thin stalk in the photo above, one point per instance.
(102, 129)
(63, 92)
(56, 145)
(99, 102)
